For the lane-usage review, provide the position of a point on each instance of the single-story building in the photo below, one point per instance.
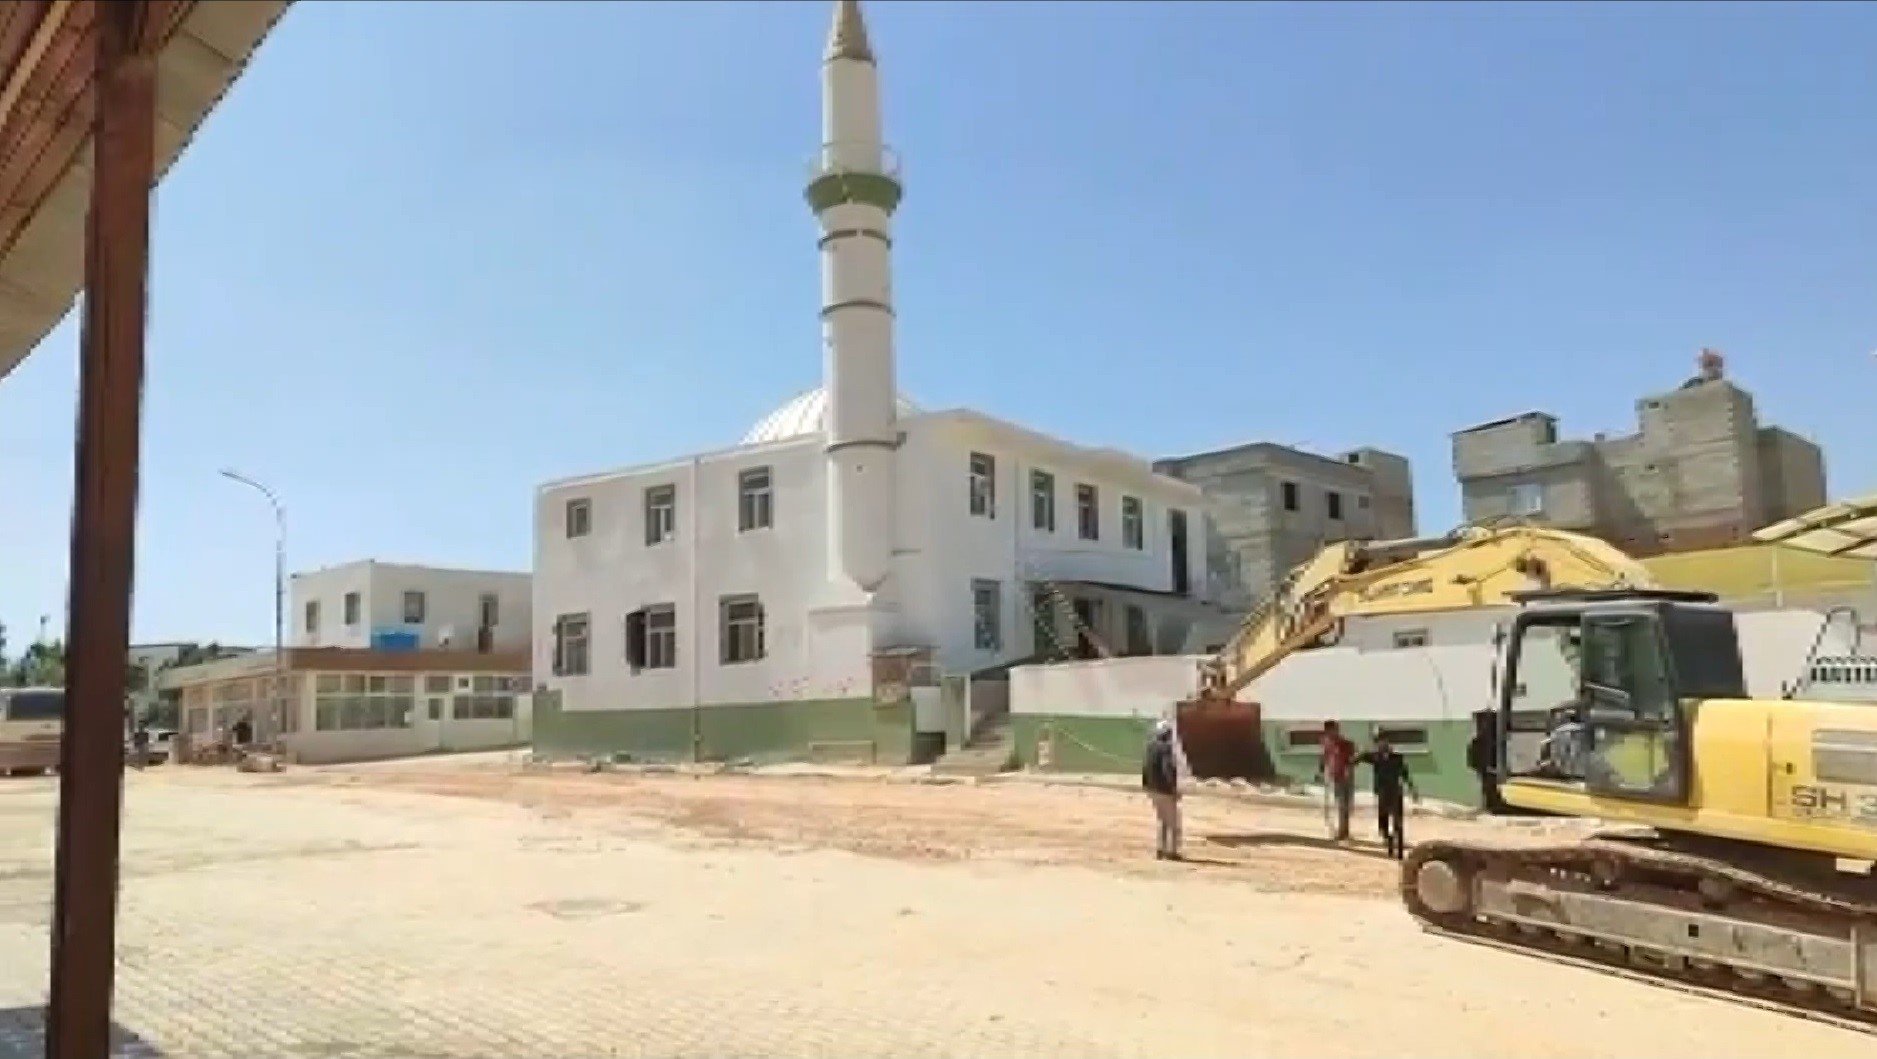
(354, 704)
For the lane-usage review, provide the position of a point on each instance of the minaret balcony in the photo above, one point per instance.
(854, 173)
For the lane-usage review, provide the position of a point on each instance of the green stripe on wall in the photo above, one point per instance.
(1114, 745)
(760, 732)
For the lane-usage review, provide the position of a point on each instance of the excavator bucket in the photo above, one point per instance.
(1223, 739)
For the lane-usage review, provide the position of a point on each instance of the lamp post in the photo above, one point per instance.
(276, 719)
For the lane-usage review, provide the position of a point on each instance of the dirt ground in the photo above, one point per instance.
(464, 910)
(1270, 848)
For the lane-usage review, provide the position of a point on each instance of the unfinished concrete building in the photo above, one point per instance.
(1700, 472)
(1273, 506)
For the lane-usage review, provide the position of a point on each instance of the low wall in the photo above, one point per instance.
(764, 732)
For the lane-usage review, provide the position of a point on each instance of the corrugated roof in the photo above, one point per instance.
(1847, 529)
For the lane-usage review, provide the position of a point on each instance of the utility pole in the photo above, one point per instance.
(276, 719)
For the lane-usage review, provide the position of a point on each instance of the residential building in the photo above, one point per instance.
(1273, 507)
(1700, 472)
(804, 592)
(353, 704)
(369, 604)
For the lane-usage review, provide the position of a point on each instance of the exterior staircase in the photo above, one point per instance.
(990, 750)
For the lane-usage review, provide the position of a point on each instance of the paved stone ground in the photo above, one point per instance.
(265, 918)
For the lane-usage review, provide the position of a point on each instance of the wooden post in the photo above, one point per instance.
(104, 510)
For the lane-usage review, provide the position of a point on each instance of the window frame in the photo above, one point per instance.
(1290, 496)
(987, 626)
(1087, 512)
(1042, 501)
(660, 505)
(422, 610)
(352, 608)
(755, 505)
(731, 648)
(981, 485)
(564, 641)
(577, 517)
(310, 617)
(661, 627)
(1133, 523)
(1333, 505)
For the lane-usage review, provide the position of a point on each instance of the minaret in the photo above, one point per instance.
(853, 190)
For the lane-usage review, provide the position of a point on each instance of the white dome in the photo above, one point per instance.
(807, 413)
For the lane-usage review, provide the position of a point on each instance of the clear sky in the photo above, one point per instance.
(428, 256)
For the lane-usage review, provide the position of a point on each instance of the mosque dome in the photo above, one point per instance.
(806, 413)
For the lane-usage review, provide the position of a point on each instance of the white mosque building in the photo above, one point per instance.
(803, 592)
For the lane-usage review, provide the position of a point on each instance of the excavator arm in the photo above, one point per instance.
(1476, 566)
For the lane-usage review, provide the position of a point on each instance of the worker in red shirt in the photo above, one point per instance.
(1337, 763)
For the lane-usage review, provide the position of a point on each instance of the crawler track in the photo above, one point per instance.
(1630, 909)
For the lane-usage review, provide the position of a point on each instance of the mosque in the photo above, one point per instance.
(857, 576)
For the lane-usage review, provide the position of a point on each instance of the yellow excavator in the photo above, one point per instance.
(1740, 863)
(1475, 566)
(1740, 860)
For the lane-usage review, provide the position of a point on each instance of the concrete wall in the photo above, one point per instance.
(1699, 472)
(1262, 537)
(452, 605)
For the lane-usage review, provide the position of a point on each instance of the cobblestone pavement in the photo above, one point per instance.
(262, 918)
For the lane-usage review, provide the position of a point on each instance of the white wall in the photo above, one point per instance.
(611, 571)
(452, 600)
(329, 586)
(1009, 549)
(1447, 680)
(453, 603)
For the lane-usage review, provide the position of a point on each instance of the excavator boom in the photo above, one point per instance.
(1476, 566)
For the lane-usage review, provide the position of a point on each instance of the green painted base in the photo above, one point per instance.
(824, 729)
(1114, 745)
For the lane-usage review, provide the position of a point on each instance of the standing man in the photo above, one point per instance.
(1482, 756)
(1160, 778)
(1337, 764)
(1391, 773)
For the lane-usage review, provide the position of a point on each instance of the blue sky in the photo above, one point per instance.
(428, 256)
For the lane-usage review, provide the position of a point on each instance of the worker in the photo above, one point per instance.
(1336, 763)
(1482, 756)
(1562, 753)
(1390, 772)
(1160, 778)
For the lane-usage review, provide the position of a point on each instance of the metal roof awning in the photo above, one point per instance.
(48, 103)
(1847, 529)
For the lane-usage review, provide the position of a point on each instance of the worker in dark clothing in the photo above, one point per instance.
(1390, 772)
(1160, 778)
(1482, 756)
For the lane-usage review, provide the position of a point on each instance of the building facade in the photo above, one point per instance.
(398, 607)
(1272, 507)
(347, 704)
(1700, 472)
(803, 593)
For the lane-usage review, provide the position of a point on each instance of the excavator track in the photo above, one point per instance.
(1673, 918)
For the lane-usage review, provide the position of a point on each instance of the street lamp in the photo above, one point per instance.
(278, 717)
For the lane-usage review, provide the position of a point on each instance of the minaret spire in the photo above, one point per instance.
(853, 189)
(847, 37)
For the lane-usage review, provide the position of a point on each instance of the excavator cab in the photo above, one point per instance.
(1598, 689)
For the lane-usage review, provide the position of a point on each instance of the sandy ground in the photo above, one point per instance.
(449, 909)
